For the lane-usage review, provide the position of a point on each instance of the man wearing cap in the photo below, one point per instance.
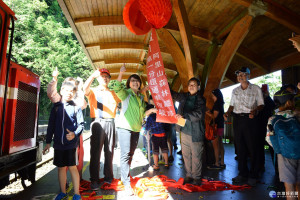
(246, 101)
(103, 104)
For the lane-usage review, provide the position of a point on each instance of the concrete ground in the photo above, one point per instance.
(48, 187)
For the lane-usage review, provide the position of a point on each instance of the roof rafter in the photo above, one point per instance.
(278, 13)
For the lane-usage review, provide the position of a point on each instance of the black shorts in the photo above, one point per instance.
(65, 158)
(159, 142)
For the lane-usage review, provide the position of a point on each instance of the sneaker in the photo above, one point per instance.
(171, 159)
(252, 182)
(187, 180)
(239, 179)
(107, 180)
(76, 197)
(214, 167)
(94, 185)
(179, 152)
(197, 182)
(61, 196)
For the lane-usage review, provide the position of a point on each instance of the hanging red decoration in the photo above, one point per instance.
(157, 12)
(134, 19)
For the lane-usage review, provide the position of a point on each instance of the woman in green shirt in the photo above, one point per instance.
(129, 122)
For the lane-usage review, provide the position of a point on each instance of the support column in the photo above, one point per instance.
(186, 35)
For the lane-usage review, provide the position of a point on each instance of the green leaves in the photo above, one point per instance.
(44, 40)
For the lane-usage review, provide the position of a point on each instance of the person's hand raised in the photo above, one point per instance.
(123, 68)
(55, 74)
(96, 74)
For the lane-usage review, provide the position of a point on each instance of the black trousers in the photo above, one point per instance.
(103, 135)
(246, 139)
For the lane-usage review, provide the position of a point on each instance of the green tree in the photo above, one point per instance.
(44, 40)
(273, 80)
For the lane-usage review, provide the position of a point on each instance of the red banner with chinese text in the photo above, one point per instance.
(158, 83)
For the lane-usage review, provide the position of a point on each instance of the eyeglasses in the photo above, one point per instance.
(242, 74)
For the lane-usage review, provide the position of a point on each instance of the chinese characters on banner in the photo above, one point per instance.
(158, 83)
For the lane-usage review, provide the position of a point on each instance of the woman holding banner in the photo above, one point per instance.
(129, 121)
(192, 110)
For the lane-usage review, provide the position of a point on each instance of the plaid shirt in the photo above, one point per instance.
(153, 126)
(246, 100)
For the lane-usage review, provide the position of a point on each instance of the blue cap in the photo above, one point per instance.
(243, 69)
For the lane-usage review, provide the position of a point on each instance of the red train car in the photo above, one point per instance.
(19, 97)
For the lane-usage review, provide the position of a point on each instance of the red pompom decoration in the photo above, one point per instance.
(157, 12)
(134, 19)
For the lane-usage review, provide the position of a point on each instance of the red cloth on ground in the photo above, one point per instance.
(156, 187)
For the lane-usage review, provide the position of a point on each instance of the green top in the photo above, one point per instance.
(133, 108)
(188, 107)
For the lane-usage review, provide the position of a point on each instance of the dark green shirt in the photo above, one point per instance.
(188, 107)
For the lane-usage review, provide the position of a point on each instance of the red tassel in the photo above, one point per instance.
(157, 12)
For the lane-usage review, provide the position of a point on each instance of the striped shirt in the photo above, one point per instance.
(103, 103)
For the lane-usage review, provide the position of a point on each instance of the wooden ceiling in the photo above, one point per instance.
(213, 38)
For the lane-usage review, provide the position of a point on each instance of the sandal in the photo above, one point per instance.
(167, 166)
(155, 168)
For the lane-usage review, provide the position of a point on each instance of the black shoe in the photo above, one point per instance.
(171, 159)
(175, 147)
(179, 152)
(95, 185)
(252, 182)
(214, 167)
(239, 179)
(187, 180)
(108, 180)
(197, 182)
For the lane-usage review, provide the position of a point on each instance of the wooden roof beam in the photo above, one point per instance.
(119, 60)
(173, 47)
(129, 70)
(186, 36)
(227, 51)
(118, 20)
(253, 58)
(286, 61)
(116, 45)
(101, 20)
(197, 32)
(277, 13)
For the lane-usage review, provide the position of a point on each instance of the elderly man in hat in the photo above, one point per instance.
(246, 102)
(103, 104)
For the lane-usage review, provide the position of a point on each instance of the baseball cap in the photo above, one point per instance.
(282, 96)
(243, 69)
(103, 70)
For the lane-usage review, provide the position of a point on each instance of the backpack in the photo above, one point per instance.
(286, 140)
